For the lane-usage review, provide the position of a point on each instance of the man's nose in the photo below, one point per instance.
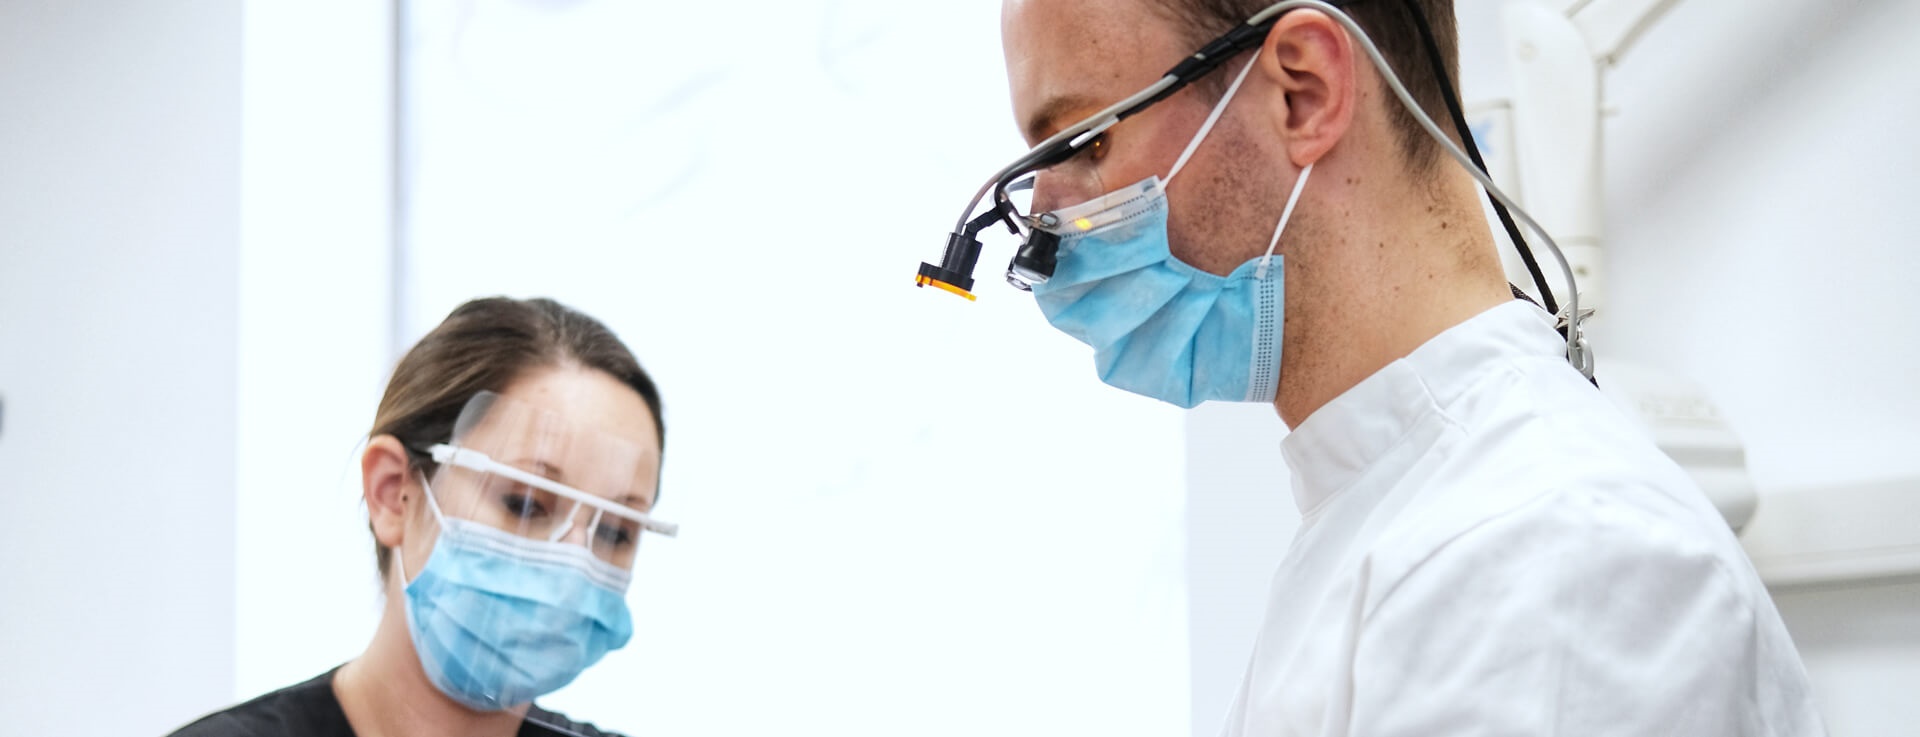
(1054, 189)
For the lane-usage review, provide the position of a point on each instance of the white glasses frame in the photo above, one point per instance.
(474, 460)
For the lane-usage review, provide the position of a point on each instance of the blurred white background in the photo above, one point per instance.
(220, 221)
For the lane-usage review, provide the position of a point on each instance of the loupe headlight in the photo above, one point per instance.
(955, 271)
(1034, 260)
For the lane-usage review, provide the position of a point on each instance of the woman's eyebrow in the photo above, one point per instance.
(636, 501)
(540, 467)
(550, 471)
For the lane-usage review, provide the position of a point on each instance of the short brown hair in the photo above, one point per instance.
(1394, 29)
(484, 345)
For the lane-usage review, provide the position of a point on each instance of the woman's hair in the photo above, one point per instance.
(484, 345)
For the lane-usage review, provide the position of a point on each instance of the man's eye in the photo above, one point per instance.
(1096, 149)
(522, 505)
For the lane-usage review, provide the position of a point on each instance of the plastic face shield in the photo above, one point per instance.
(527, 471)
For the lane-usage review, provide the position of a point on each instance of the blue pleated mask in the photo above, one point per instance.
(1160, 327)
(498, 619)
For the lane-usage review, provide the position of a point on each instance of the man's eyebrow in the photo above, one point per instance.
(1045, 119)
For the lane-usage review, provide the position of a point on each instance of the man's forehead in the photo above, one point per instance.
(1081, 53)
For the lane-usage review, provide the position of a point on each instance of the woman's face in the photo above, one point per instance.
(580, 428)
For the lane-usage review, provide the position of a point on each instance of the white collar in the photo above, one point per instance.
(1342, 440)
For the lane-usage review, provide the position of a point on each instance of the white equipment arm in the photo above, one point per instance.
(1611, 26)
(1556, 51)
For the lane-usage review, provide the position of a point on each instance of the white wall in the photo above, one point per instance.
(1763, 213)
(119, 231)
(315, 331)
(1761, 174)
(1860, 644)
(1240, 518)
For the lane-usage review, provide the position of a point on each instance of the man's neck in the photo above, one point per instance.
(1379, 289)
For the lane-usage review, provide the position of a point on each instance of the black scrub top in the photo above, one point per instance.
(310, 710)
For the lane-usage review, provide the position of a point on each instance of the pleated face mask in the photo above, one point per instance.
(1160, 327)
(498, 619)
(536, 526)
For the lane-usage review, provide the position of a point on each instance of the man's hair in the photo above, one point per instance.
(1394, 29)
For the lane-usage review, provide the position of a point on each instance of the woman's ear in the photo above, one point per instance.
(387, 482)
(1310, 58)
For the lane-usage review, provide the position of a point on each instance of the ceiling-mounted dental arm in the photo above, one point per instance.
(1557, 52)
(1611, 26)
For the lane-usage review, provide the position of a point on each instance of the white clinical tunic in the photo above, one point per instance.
(1489, 547)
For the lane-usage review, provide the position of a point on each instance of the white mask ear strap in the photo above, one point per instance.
(400, 557)
(1285, 215)
(1212, 118)
(432, 504)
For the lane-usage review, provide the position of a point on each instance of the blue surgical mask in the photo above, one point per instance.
(1160, 327)
(498, 619)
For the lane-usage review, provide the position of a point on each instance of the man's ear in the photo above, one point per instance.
(387, 482)
(1310, 58)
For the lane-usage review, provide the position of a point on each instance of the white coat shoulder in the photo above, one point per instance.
(1558, 575)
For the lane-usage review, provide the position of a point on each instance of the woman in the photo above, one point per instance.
(507, 479)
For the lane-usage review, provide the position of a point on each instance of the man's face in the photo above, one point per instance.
(1068, 59)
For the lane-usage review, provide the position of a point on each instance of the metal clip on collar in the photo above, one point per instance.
(1578, 353)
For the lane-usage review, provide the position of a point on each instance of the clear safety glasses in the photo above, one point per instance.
(1066, 153)
(525, 470)
(1035, 259)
